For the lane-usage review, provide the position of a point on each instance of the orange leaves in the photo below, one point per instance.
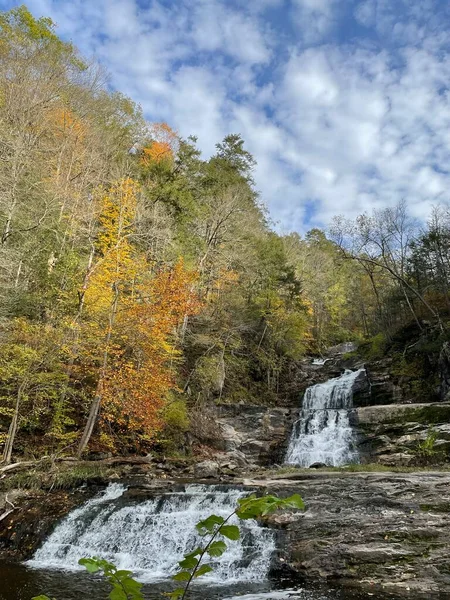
(163, 145)
(66, 122)
(134, 396)
(135, 387)
(131, 318)
(156, 152)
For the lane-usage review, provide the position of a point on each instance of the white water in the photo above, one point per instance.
(151, 536)
(320, 361)
(323, 433)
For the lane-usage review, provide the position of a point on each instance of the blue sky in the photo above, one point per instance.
(344, 103)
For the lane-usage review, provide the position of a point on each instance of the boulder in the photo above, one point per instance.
(206, 469)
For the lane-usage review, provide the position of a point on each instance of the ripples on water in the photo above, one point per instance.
(19, 582)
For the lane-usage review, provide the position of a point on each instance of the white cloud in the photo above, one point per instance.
(217, 28)
(339, 128)
(365, 13)
(315, 18)
(370, 134)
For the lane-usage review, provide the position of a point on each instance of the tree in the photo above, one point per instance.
(384, 241)
(130, 315)
(31, 374)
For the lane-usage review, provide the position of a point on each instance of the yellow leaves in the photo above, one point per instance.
(131, 318)
(309, 307)
(118, 210)
(117, 263)
(225, 278)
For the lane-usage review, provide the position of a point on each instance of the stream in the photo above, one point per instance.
(22, 582)
(148, 536)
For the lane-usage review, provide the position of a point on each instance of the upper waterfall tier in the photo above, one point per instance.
(151, 536)
(323, 433)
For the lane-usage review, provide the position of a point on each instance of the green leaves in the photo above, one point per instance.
(182, 576)
(188, 563)
(203, 570)
(230, 531)
(254, 507)
(294, 501)
(177, 593)
(124, 587)
(92, 565)
(216, 549)
(209, 524)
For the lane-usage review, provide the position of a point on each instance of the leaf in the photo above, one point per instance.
(190, 562)
(117, 594)
(181, 576)
(175, 594)
(230, 531)
(294, 501)
(252, 507)
(122, 574)
(209, 525)
(41, 597)
(195, 552)
(203, 570)
(217, 548)
(131, 585)
(90, 564)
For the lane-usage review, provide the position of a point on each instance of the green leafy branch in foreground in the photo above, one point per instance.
(215, 529)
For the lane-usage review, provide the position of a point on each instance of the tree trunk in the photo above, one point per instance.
(95, 406)
(7, 452)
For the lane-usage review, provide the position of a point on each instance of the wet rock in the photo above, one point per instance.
(317, 465)
(206, 469)
(340, 349)
(235, 458)
(259, 434)
(392, 434)
(33, 519)
(377, 531)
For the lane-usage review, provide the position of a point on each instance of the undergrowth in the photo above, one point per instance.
(59, 478)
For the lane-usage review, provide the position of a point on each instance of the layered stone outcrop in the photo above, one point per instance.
(404, 434)
(375, 531)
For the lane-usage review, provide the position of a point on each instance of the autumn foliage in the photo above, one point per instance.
(132, 312)
(163, 145)
(142, 371)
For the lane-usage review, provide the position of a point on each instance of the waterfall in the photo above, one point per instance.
(149, 537)
(323, 433)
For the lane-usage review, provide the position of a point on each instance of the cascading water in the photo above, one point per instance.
(151, 536)
(323, 433)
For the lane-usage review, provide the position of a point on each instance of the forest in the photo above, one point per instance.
(141, 282)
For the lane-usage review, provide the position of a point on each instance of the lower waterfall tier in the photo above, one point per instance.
(150, 537)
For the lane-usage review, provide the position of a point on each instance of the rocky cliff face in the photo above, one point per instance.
(404, 434)
(390, 428)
